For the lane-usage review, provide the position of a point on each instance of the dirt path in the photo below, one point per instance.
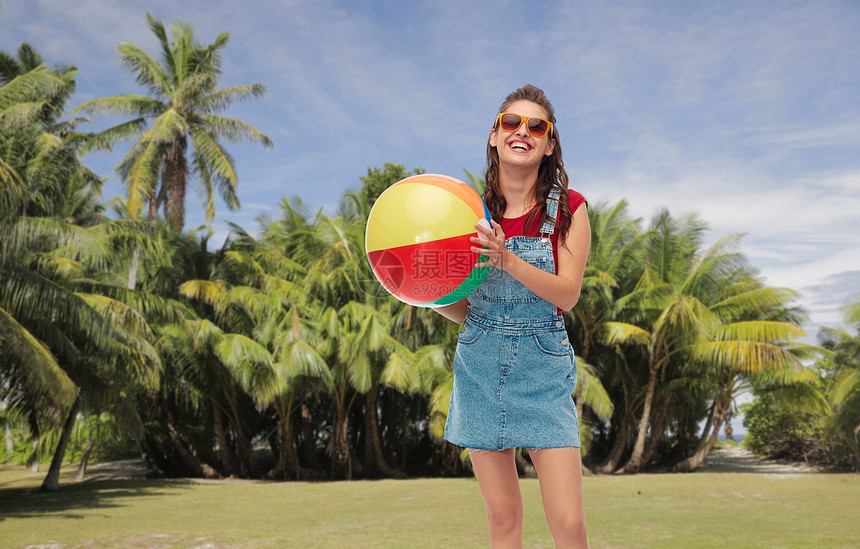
(736, 459)
(115, 470)
(728, 459)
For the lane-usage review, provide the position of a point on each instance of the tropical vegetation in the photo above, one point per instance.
(276, 354)
(814, 415)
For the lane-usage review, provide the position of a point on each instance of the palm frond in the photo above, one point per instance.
(750, 357)
(119, 314)
(713, 267)
(140, 174)
(359, 372)
(21, 115)
(399, 371)
(615, 333)
(592, 391)
(247, 359)
(760, 331)
(752, 301)
(147, 71)
(34, 364)
(300, 359)
(218, 164)
(211, 292)
(207, 185)
(193, 89)
(219, 101)
(234, 130)
(166, 126)
(120, 133)
(846, 384)
(139, 106)
(29, 234)
(440, 401)
(35, 84)
(12, 184)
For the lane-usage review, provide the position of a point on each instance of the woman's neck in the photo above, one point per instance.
(518, 188)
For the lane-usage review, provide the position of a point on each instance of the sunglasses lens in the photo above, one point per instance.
(538, 127)
(511, 122)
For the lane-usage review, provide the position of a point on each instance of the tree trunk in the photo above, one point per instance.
(707, 428)
(85, 458)
(158, 460)
(705, 445)
(287, 465)
(451, 463)
(244, 452)
(228, 464)
(618, 447)
(658, 430)
(10, 443)
(174, 181)
(524, 467)
(729, 431)
(308, 449)
(52, 481)
(634, 464)
(374, 461)
(34, 468)
(34, 430)
(340, 468)
(132, 270)
(189, 460)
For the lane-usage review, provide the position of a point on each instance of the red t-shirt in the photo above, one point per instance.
(516, 226)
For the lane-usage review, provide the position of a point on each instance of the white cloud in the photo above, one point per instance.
(840, 134)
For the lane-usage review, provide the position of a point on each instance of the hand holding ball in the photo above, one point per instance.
(484, 223)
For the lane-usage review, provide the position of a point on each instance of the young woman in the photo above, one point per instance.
(514, 371)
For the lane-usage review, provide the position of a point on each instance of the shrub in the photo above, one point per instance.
(797, 436)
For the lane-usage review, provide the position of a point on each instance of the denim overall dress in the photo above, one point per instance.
(514, 369)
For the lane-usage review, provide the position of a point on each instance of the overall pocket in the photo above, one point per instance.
(469, 334)
(552, 343)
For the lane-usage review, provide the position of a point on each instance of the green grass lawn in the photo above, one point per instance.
(650, 510)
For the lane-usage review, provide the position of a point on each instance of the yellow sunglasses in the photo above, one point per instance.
(511, 122)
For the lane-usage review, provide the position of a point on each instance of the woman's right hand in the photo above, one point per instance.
(490, 243)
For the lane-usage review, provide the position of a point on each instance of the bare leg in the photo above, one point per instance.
(560, 474)
(500, 487)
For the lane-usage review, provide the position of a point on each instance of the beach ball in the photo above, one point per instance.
(417, 240)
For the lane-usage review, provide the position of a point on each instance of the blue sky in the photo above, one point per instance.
(746, 112)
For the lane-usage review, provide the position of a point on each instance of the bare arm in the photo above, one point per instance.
(562, 289)
(455, 311)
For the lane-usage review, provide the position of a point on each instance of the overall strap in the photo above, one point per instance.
(548, 227)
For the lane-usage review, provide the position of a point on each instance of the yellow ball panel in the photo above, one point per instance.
(412, 213)
(466, 193)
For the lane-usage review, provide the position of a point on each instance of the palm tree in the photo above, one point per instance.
(333, 278)
(844, 393)
(181, 113)
(60, 342)
(60, 339)
(262, 346)
(609, 274)
(353, 322)
(754, 332)
(688, 316)
(39, 152)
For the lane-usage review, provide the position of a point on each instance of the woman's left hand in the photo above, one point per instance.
(493, 241)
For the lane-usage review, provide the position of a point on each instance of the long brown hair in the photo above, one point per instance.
(551, 172)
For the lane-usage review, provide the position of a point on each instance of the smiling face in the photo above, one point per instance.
(520, 148)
